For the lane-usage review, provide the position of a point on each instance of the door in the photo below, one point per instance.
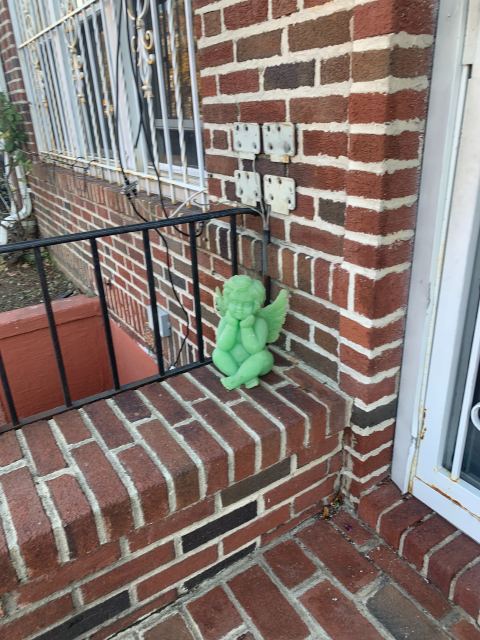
(447, 473)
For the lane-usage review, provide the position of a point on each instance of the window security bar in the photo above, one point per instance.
(114, 83)
(188, 222)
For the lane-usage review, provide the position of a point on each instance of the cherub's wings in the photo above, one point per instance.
(275, 314)
(220, 303)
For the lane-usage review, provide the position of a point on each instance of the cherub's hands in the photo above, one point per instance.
(231, 320)
(248, 322)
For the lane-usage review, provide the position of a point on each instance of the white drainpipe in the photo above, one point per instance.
(14, 216)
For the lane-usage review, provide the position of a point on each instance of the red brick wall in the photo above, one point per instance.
(353, 77)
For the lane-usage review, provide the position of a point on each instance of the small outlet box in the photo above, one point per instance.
(279, 140)
(248, 187)
(279, 193)
(246, 139)
(164, 326)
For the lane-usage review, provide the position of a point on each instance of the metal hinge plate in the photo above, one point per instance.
(279, 140)
(279, 193)
(247, 187)
(246, 139)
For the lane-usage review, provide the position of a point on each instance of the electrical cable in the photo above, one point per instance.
(143, 126)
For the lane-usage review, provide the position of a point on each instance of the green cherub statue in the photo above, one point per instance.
(245, 329)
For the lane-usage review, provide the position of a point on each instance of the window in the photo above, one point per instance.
(113, 85)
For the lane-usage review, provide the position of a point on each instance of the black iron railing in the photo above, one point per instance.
(190, 222)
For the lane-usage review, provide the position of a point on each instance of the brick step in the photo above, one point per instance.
(331, 579)
(444, 556)
(118, 507)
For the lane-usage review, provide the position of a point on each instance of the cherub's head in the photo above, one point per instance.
(243, 296)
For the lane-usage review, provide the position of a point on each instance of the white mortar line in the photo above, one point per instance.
(137, 509)
(191, 453)
(440, 545)
(48, 504)
(453, 583)
(227, 448)
(152, 454)
(97, 513)
(11, 539)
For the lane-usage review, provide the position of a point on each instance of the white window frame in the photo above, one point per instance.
(445, 244)
(68, 143)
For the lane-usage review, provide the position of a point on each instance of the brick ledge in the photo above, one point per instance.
(136, 469)
(444, 556)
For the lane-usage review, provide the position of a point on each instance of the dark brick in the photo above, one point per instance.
(245, 13)
(290, 76)
(221, 525)
(212, 23)
(248, 486)
(332, 211)
(219, 566)
(83, 622)
(401, 617)
(365, 419)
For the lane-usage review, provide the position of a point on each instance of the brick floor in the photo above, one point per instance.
(332, 579)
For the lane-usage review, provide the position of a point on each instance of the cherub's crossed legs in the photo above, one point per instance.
(246, 373)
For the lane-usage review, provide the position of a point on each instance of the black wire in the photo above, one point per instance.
(143, 126)
(127, 183)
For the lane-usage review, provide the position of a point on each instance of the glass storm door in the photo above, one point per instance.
(447, 474)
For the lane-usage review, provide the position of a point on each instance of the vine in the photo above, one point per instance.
(13, 183)
(13, 134)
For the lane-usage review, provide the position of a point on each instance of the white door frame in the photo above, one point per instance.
(417, 412)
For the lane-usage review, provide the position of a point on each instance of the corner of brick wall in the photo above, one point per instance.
(354, 79)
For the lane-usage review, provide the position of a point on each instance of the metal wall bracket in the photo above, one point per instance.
(246, 139)
(279, 193)
(279, 140)
(247, 187)
(163, 321)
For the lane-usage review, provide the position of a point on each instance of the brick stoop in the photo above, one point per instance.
(112, 511)
(327, 579)
(447, 558)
